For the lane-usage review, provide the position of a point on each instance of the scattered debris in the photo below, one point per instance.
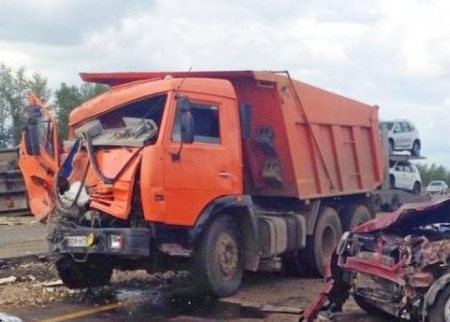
(53, 283)
(394, 265)
(5, 317)
(9, 223)
(8, 280)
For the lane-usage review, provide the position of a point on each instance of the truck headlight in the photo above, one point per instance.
(115, 241)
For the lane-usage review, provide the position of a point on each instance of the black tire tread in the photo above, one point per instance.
(205, 279)
(93, 273)
(328, 217)
(354, 215)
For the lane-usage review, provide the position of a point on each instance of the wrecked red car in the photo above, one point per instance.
(395, 266)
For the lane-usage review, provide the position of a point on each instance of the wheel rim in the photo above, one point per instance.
(227, 255)
(416, 148)
(447, 311)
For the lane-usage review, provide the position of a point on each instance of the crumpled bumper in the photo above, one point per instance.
(107, 241)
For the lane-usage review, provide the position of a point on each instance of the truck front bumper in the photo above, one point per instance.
(108, 241)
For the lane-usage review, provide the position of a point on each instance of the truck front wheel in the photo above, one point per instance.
(218, 261)
(96, 271)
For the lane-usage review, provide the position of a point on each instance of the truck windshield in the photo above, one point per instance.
(150, 108)
(132, 124)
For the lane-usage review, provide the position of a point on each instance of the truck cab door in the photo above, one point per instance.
(39, 157)
(209, 167)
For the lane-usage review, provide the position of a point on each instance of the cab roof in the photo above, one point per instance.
(120, 78)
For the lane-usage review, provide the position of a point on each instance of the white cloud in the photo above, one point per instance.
(392, 53)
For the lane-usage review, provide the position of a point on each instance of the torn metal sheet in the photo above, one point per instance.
(397, 265)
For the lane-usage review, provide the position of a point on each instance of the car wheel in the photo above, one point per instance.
(416, 149)
(416, 189)
(440, 311)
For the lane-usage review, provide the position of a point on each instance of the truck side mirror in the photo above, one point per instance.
(186, 120)
(31, 130)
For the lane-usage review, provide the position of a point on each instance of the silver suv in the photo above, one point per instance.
(403, 136)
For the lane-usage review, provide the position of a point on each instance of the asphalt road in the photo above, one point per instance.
(21, 235)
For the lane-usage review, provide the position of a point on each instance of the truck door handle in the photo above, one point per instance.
(224, 174)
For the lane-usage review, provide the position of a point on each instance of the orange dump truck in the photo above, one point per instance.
(216, 172)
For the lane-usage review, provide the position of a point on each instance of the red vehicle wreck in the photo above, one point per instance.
(396, 266)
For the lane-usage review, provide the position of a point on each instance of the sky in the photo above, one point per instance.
(395, 54)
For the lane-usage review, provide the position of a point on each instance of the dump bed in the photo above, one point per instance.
(305, 142)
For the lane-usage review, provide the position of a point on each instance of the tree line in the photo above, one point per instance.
(432, 172)
(16, 84)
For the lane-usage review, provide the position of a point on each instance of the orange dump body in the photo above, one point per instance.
(305, 142)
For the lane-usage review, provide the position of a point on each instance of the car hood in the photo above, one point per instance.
(409, 216)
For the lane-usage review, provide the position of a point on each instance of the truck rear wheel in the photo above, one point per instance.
(218, 263)
(327, 234)
(96, 271)
(354, 216)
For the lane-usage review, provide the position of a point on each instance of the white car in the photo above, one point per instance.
(403, 136)
(405, 175)
(437, 186)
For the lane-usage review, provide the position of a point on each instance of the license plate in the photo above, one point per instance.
(76, 241)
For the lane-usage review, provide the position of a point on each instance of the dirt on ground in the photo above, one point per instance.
(34, 283)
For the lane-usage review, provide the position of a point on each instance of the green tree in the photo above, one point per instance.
(432, 172)
(14, 89)
(69, 97)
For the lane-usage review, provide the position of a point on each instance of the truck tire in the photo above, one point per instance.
(441, 307)
(96, 271)
(377, 204)
(355, 215)
(327, 234)
(218, 263)
(395, 202)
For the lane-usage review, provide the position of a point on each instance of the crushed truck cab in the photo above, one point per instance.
(215, 172)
